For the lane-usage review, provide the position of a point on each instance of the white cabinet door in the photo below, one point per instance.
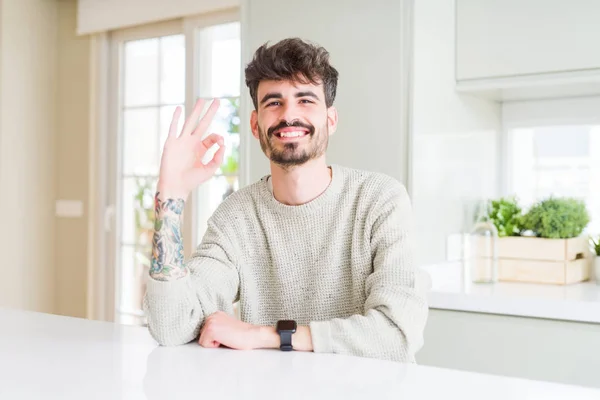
(529, 348)
(507, 38)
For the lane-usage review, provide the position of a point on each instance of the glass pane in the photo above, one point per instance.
(562, 161)
(227, 124)
(551, 161)
(214, 191)
(231, 160)
(221, 187)
(137, 213)
(220, 54)
(227, 118)
(140, 150)
(135, 264)
(172, 79)
(166, 115)
(550, 142)
(141, 72)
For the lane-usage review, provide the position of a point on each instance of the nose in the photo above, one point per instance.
(289, 112)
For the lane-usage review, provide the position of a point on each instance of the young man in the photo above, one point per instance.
(318, 256)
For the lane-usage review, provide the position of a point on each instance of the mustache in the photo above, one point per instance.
(284, 124)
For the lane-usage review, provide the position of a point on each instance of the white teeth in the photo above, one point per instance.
(292, 134)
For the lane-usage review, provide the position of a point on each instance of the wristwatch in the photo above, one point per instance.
(285, 329)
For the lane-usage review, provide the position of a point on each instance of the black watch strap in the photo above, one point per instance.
(286, 341)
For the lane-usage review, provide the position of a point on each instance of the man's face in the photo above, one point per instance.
(292, 122)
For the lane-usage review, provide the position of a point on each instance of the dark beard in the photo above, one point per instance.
(292, 155)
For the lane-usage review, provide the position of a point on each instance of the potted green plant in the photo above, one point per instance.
(544, 245)
(506, 214)
(557, 218)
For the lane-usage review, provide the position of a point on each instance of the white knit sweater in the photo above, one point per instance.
(341, 264)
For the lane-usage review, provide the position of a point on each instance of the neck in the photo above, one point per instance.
(301, 184)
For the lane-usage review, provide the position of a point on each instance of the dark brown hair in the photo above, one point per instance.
(295, 60)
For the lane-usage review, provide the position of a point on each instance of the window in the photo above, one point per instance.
(153, 84)
(559, 160)
(219, 51)
(150, 80)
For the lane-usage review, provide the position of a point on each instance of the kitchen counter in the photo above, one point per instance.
(51, 357)
(577, 302)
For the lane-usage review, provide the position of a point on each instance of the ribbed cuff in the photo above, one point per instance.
(162, 288)
(320, 333)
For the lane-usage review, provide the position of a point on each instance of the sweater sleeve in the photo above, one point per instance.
(391, 326)
(176, 309)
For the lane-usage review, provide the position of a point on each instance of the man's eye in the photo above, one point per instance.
(274, 103)
(306, 101)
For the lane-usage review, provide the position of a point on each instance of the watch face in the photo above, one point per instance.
(286, 325)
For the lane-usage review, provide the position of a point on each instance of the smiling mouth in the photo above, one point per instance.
(288, 135)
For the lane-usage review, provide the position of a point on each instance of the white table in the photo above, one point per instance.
(50, 357)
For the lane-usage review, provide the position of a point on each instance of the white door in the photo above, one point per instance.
(149, 81)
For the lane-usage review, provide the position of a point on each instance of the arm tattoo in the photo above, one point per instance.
(167, 243)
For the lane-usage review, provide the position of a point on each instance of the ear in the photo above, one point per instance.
(332, 119)
(254, 123)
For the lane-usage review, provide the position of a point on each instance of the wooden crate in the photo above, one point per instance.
(539, 260)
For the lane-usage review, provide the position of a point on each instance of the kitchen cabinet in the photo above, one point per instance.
(528, 48)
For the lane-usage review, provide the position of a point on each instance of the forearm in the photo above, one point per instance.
(167, 242)
(177, 308)
(392, 330)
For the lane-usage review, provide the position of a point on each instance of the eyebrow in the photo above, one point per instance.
(278, 95)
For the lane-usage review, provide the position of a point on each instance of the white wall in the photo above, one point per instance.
(28, 32)
(365, 43)
(72, 159)
(454, 137)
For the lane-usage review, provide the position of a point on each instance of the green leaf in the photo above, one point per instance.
(557, 218)
(506, 215)
(595, 242)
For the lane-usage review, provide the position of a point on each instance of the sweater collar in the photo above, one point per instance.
(331, 192)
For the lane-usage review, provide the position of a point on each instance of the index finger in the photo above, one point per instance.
(188, 126)
(207, 118)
